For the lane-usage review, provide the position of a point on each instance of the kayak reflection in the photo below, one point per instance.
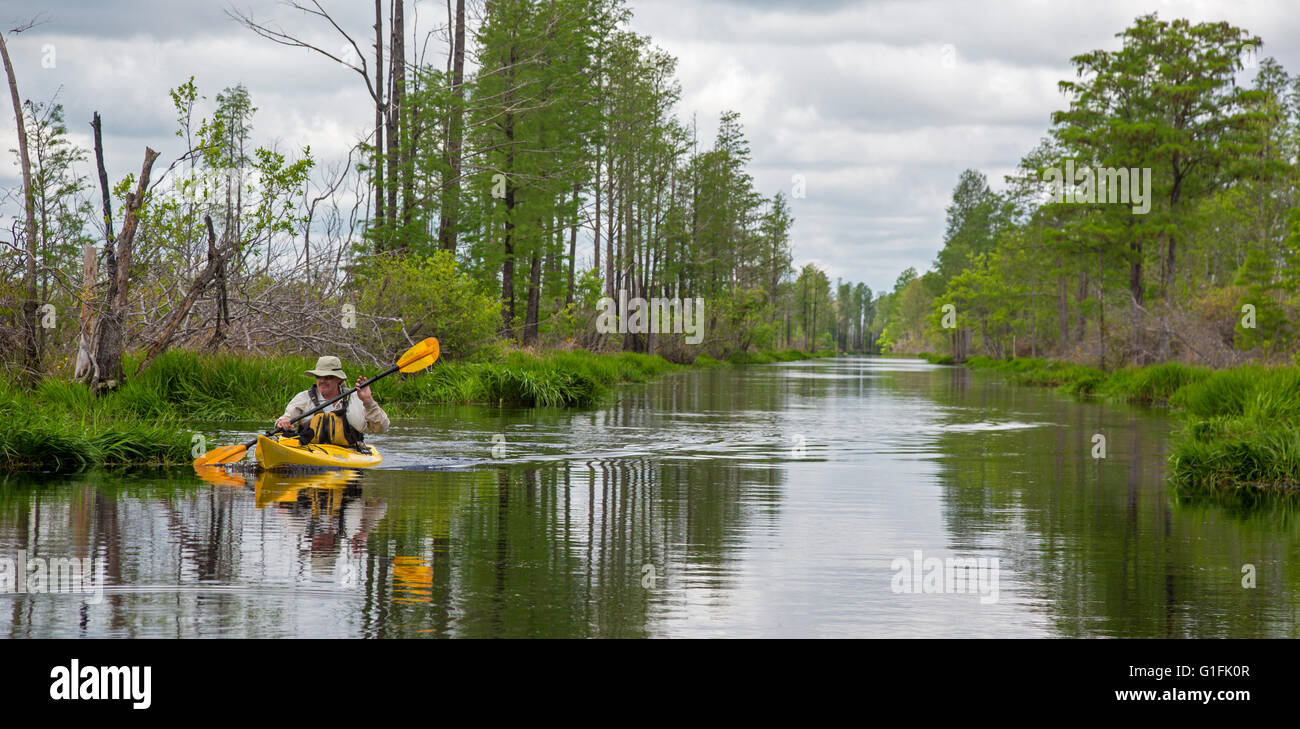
(323, 491)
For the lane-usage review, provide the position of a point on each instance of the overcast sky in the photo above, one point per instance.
(879, 105)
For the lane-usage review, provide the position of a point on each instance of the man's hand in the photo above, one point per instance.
(283, 423)
(364, 392)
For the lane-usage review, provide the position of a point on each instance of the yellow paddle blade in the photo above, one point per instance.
(420, 356)
(219, 476)
(224, 454)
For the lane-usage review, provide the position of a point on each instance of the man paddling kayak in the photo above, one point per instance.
(350, 418)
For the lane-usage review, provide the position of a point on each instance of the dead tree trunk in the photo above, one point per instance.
(218, 262)
(84, 367)
(31, 348)
(88, 371)
(449, 218)
(390, 129)
(378, 165)
(109, 350)
(201, 282)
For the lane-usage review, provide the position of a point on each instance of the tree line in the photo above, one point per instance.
(1067, 268)
(542, 152)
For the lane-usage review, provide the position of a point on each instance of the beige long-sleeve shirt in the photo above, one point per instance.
(365, 418)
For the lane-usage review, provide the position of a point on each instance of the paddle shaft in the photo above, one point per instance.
(345, 393)
(329, 402)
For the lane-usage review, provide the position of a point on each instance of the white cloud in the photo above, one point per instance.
(855, 96)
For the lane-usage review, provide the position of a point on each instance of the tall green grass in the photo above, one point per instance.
(1240, 429)
(47, 443)
(60, 426)
(213, 387)
(553, 379)
(1153, 385)
(742, 357)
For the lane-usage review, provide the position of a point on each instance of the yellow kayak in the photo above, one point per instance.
(273, 453)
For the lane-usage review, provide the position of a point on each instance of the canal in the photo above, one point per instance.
(852, 497)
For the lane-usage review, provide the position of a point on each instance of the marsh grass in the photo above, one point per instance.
(1153, 385)
(741, 357)
(54, 444)
(60, 427)
(1240, 428)
(1243, 429)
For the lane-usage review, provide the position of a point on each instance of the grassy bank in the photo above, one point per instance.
(61, 427)
(1153, 385)
(785, 355)
(1237, 428)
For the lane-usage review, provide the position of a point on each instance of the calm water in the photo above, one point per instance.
(778, 500)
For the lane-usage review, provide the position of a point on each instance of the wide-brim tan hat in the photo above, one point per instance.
(328, 367)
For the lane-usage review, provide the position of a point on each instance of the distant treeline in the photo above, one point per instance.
(1209, 272)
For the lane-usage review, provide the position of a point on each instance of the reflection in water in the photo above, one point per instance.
(682, 508)
(507, 551)
(412, 579)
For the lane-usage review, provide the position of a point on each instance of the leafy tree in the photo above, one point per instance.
(1271, 328)
(1166, 101)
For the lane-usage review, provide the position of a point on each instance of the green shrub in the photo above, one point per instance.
(428, 296)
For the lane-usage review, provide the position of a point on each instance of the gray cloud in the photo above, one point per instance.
(862, 98)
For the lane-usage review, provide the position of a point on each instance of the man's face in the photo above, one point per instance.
(328, 386)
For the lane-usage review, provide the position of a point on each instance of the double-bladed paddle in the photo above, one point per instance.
(415, 359)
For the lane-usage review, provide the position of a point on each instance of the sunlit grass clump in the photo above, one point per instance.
(1241, 429)
(1153, 385)
(55, 438)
